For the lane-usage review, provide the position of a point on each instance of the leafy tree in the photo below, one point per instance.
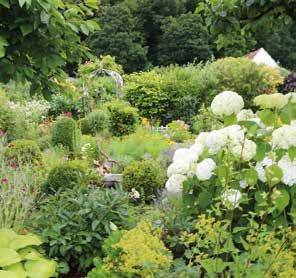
(38, 37)
(184, 39)
(119, 36)
(234, 23)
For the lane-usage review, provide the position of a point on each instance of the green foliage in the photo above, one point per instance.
(119, 37)
(66, 133)
(138, 252)
(82, 221)
(178, 131)
(66, 175)
(239, 75)
(123, 118)
(143, 143)
(89, 149)
(95, 122)
(23, 151)
(184, 39)
(19, 256)
(24, 51)
(166, 94)
(147, 177)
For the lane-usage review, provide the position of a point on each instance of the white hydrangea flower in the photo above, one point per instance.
(197, 149)
(260, 168)
(174, 184)
(185, 155)
(234, 134)
(245, 115)
(284, 137)
(269, 101)
(231, 197)
(289, 170)
(204, 169)
(245, 151)
(243, 184)
(227, 103)
(178, 167)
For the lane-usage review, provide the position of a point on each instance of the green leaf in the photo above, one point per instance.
(273, 174)
(44, 17)
(22, 241)
(251, 176)
(8, 274)
(5, 3)
(214, 266)
(29, 253)
(268, 117)
(204, 199)
(282, 200)
(222, 173)
(288, 113)
(6, 236)
(230, 120)
(84, 29)
(26, 29)
(18, 269)
(22, 3)
(292, 153)
(8, 257)
(262, 149)
(40, 268)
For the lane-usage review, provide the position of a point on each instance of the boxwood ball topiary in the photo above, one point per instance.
(23, 151)
(68, 174)
(66, 133)
(145, 176)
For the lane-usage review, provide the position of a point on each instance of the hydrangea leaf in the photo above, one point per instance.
(292, 153)
(8, 274)
(18, 269)
(251, 176)
(267, 117)
(22, 241)
(6, 237)
(40, 268)
(8, 256)
(29, 253)
(282, 200)
(273, 174)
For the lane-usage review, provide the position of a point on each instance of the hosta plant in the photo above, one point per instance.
(20, 258)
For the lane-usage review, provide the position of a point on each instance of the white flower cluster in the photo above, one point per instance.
(260, 168)
(31, 109)
(231, 197)
(289, 170)
(245, 115)
(245, 151)
(284, 137)
(227, 103)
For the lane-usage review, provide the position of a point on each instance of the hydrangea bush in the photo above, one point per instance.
(245, 169)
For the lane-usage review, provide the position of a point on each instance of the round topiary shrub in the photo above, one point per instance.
(95, 122)
(68, 174)
(66, 133)
(145, 177)
(23, 151)
(123, 118)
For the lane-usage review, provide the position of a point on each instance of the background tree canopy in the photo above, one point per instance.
(38, 37)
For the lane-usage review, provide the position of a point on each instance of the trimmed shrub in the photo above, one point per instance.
(66, 133)
(144, 176)
(123, 118)
(95, 122)
(239, 75)
(23, 151)
(68, 174)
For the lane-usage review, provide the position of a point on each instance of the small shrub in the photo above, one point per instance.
(89, 149)
(95, 122)
(138, 252)
(66, 133)
(141, 144)
(144, 176)
(60, 104)
(82, 221)
(239, 75)
(23, 151)
(123, 118)
(19, 256)
(68, 174)
(178, 131)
